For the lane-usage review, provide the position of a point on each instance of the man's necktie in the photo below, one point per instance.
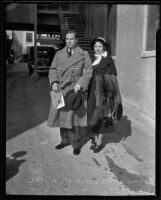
(69, 52)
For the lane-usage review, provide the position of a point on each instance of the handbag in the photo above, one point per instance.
(57, 99)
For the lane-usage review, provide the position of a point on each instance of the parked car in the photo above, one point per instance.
(25, 58)
(45, 55)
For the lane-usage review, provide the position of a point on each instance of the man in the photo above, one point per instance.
(71, 68)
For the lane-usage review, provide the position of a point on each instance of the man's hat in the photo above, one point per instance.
(73, 100)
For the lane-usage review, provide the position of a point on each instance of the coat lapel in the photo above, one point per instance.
(63, 56)
(69, 61)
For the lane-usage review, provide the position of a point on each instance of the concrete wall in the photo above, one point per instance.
(136, 74)
(148, 84)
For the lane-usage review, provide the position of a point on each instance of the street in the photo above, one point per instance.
(125, 166)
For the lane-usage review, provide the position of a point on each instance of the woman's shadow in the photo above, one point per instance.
(12, 164)
(120, 131)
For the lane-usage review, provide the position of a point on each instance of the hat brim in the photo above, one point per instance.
(99, 40)
(73, 100)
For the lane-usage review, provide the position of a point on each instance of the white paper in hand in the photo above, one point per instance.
(56, 98)
(61, 103)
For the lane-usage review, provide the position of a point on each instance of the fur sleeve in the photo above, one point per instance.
(113, 67)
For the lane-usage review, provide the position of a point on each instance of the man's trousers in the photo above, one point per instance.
(71, 136)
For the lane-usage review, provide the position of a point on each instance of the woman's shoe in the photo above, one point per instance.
(61, 146)
(76, 151)
(97, 148)
(93, 145)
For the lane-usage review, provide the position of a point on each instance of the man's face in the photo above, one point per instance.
(71, 41)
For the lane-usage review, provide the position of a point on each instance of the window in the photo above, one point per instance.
(29, 37)
(152, 26)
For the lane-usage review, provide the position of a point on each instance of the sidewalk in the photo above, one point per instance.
(125, 166)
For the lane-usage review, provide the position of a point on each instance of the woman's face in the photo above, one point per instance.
(98, 48)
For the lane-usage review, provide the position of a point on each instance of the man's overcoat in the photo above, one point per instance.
(68, 71)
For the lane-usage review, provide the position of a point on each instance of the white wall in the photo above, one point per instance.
(136, 73)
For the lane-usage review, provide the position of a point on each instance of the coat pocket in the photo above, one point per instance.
(75, 78)
(75, 74)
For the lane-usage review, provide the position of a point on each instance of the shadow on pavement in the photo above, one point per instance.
(121, 131)
(12, 165)
(27, 102)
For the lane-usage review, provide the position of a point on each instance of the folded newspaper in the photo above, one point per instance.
(57, 99)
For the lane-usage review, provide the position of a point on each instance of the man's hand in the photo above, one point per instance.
(55, 87)
(77, 87)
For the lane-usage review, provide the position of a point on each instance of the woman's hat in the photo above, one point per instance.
(99, 39)
(73, 100)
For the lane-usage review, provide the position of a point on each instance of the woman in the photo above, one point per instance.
(98, 98)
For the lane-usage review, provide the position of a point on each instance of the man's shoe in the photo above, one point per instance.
(61, 146)
(76, 151)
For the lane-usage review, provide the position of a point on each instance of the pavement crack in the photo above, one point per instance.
(132, 153)
(96, 161)
(134, 182)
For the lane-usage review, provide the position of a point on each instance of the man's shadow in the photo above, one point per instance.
(120, 131)
(12, 164)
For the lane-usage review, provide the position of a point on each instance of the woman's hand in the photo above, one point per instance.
(55, 87)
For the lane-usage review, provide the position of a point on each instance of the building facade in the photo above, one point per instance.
(131, 30)
(136, 55)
